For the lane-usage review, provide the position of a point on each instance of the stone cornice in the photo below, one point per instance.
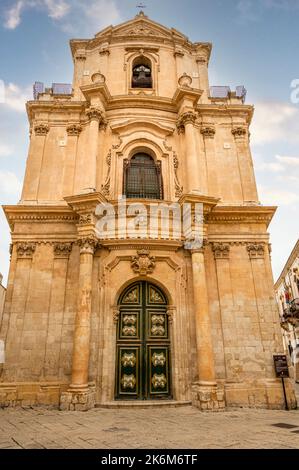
(241, 214)
(97, 89)
(39, 213)
(232, 110)
(61, 106)
(83, 203)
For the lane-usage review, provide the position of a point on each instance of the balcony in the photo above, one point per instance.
(291, 312)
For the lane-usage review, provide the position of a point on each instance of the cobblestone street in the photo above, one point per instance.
(163, 428)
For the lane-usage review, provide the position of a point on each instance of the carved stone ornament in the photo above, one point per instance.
(88, 245)
(221, 250)
(94, 113)
(208, 132)
(185, 80)
(116, 313)
(143, 263)
(239, 132)
(25, 249)
(188, 117)
(98, 77)
(201, 60)
(106, 185)
(177, 185)
(41, 129)
(73, 129)
(85, 219)
(62, 250)
(256, 250)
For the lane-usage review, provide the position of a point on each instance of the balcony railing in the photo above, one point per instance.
(291, 312)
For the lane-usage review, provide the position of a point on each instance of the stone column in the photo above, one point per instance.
(248, 183)
(186, 121)
(34, 162)
(208, 132)
(202, 64)
(73, 132)
(206, 395)
(95, 116)
(80, 60)
(80, 396)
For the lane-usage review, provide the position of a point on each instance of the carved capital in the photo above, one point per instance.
(256, 250)
(221, 250)
(239, 132)
(189, 117)
(201, 60)
(88, 245)
(208, 132)
(143, 263)
(25, 249)
(73, 129)
(41, 129)
(94, 114)
(62, 250)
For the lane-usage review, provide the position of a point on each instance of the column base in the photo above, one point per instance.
(77, 400)
(208, 397)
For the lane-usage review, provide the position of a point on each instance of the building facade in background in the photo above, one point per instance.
(92, 319)
(287, 295)
(2, 296)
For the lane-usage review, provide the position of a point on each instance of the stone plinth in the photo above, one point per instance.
(77, 400)
(208, 397)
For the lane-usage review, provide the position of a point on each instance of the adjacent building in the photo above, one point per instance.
(287, 295)
(2, 296)
(112, 317)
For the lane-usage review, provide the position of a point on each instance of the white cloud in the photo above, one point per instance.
(16, 97)
(73, 15)
(13, 15)
(279, 197)
(57, 9)
(6, 150)
(275, 121)
(9, 183)
(288, 161)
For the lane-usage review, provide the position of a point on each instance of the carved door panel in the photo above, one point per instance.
(143, 345)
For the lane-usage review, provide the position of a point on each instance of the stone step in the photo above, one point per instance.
(144, 404)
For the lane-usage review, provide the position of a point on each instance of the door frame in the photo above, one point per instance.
(145, 342)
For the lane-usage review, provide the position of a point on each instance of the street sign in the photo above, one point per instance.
(281, 366)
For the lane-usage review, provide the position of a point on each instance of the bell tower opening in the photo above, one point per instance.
(142, 73)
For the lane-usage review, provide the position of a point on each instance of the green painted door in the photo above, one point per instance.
(143, 344)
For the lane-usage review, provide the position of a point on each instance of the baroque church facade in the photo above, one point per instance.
(105, 322)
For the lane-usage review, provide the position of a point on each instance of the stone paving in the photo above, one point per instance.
(158, 428)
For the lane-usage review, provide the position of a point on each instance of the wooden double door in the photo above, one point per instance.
(143, 344)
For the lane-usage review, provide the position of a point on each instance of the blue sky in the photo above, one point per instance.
(254, 43)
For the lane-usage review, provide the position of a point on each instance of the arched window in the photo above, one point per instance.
(142, 73)
(142, 177)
